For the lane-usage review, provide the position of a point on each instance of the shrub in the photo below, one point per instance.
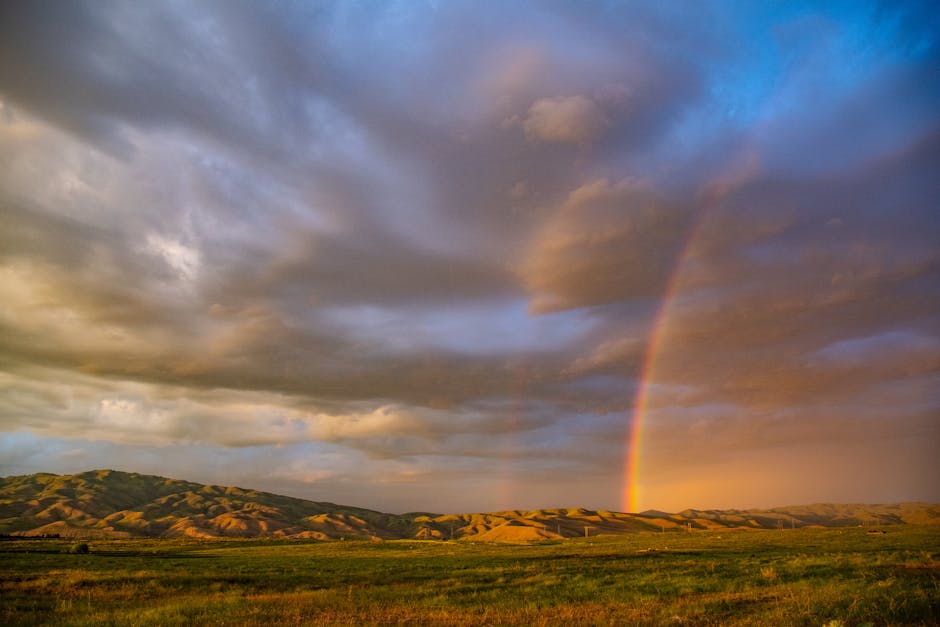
(79, 548)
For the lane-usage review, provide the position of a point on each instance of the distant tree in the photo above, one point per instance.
(79, 548)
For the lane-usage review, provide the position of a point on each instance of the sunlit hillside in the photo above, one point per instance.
(107, 503)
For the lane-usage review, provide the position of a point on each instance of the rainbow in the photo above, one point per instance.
(630, 499)
(736, 174)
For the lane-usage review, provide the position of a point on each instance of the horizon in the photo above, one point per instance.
(622, 256)
(679, 511)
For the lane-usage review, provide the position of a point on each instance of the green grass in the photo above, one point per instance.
(788, 577)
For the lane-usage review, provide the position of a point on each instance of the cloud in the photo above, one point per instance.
(341, 243)
(571, 120)
(607, 242)
(883, 346)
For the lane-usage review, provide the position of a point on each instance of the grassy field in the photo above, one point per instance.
(786, 577)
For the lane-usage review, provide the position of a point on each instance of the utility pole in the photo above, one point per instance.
(586, 530)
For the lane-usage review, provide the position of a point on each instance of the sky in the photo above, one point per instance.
(459, 256)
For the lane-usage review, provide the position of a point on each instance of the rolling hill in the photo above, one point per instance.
(108, 503)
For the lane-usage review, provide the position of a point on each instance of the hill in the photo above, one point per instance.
(108, 503)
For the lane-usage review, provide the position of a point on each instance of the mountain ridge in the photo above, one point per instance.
(110, 503)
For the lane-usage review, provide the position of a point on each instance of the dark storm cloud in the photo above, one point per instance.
(840, 258)
(607, 243)
(250, 225)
